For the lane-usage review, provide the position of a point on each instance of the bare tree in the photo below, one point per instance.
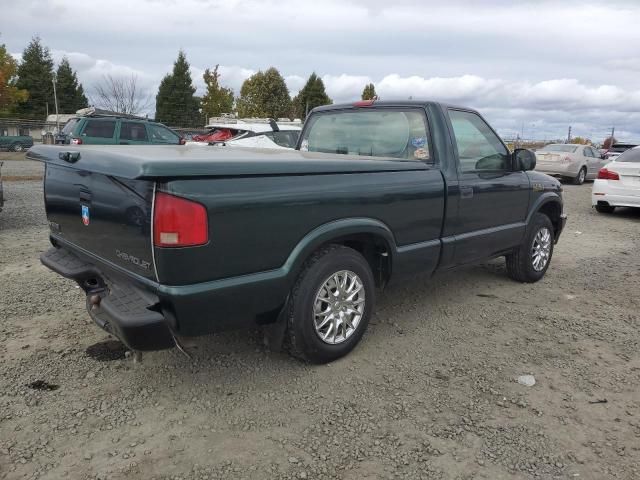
(120, 94)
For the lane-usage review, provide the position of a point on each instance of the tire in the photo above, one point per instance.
(605, 208)
(521, 264)
(581, 177)
(17, 147)
(315, 282)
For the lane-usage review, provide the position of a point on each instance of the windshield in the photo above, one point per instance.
(68, 127)
(559, 148)
(631, 156)
(380, 133)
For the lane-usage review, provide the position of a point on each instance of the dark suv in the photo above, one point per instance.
(99, 127)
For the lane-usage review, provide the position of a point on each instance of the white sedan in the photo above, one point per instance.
(618, 183)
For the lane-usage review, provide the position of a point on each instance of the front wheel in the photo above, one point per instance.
(531, 260)
(330, 305)
(581, 177)
(17, 147)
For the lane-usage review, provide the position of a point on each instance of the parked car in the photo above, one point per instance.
(570, 161)
(617, 149)
(294, 240)
(100, 127)
(618, 184)
(16, 143)
(250, 133)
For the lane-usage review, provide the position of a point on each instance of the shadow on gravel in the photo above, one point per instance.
(107, 351)
(42, 385)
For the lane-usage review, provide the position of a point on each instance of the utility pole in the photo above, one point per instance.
(569, 135)
(55, 99)
(613, 130)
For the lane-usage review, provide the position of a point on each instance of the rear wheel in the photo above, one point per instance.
(581, 177)
(330, 305)
(531, 260)
(17, 147)
(605, 208)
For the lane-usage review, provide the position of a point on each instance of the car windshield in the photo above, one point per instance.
(631, 156)
(68, 127)
(559, 148)
(381, 133)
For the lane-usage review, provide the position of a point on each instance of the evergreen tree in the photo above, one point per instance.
(175, 102)
(312, 95)
(264, 94)
(35, 75)
(217, 99)
(70, 93)
(369, 92)
(10, 95)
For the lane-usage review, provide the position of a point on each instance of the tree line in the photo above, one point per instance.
(26, 90)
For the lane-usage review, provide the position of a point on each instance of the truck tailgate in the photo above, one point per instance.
(107, 216)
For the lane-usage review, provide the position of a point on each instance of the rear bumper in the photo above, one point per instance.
(605, 193)
(118, 307)
(559, 170)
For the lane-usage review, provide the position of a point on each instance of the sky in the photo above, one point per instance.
(532, 68)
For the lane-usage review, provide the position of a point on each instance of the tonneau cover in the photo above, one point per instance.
(175, 161)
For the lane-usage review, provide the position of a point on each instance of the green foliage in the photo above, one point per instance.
(217, 99)
(312, 95)
(70, 93)
(35, 75)
(581, 141)
(175, 103)
(10, 95)
(264, 94)
(369, 92)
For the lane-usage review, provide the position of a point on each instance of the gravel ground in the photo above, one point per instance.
(429, 393)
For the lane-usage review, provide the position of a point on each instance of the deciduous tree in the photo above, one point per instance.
(10, 95)
(120, 94)
(217, 99)
(175, 103)
(264, 94)
(608, 142)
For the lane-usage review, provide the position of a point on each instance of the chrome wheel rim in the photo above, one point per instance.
(582, 176)
(338, 307)
(541, 249)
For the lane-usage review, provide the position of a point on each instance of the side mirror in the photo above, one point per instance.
(523, 159)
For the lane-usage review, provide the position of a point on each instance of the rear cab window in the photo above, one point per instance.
(384, 132)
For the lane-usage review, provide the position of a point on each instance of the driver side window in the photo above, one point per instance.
(479, 149)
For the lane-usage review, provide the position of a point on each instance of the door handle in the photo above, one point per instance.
(466, 192)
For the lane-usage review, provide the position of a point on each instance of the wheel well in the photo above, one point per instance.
(553, 210)
(374, 248)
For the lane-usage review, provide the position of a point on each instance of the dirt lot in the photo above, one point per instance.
(429, 393)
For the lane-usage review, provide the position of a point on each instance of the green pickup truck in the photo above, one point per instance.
(170, 242)
(17, 143)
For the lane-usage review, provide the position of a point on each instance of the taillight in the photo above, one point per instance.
(183, 141)
(76, 141)
(566, 159)
(605, 174)
(178, 222)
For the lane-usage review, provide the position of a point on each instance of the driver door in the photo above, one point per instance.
(493, 199)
